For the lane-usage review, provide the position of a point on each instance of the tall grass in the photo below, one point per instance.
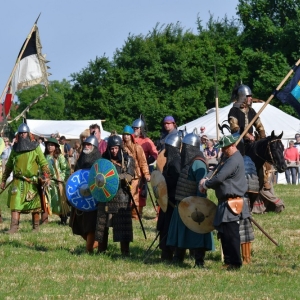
(52, 264)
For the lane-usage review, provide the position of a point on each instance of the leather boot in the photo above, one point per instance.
(35, 222)
(63, 219)
(248, 252)
(140, 208)
(246, 248)
(134, 215)
(102, 246)
(14, 223)
(199, 255)
(44, 218)
(124, 248)
(166, 255)
(90, 239)
(243, 248)
(179, 255)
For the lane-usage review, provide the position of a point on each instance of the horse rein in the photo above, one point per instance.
(272, 162)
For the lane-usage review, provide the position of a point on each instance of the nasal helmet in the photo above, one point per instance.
(23, 128)
(192, 139)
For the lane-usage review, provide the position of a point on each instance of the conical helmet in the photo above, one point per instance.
(192, 139)
(23, 128)
(138, 123)
(92, 140)
(174, 140)
(242, 93)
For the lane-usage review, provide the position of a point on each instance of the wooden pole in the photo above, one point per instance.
(19, 58)
(266, 103)
(217, 106)
(36, 100)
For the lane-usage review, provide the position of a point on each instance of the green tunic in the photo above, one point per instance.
(60, 170)
(23, 196)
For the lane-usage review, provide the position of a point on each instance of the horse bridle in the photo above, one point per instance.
(272, 162)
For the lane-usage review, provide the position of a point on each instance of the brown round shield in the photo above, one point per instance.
(197, 214)
(160, 190)
(161, 160)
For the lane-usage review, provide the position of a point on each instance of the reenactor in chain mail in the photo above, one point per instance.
(171, 171)
(25, 161)
(84, 223)
(151, 154)
(240, 115)
(193, 169)
(117, 212)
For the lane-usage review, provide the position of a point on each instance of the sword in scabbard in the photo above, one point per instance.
(263, 231)
(135, 208)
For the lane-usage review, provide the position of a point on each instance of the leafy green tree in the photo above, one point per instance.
(168, 71)
(270, 41)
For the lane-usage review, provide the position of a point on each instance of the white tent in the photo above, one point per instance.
(70, 129)
(271, 117)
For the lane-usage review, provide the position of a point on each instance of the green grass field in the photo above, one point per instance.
(52, 264)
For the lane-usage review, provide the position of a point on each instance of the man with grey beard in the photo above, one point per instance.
(84, 223)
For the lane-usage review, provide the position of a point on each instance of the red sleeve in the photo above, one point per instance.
(152, 150)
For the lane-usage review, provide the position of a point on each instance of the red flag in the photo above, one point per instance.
(8, 100)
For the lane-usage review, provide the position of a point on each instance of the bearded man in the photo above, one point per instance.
(25, 160)
(84, 223)
(141, 166)
(117, 212)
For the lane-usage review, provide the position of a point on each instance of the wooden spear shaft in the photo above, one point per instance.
(266, 103)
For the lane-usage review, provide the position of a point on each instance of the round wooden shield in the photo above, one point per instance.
(78, 191)
(103, 180)
(161, 160)
(197, 214)
(160, 190)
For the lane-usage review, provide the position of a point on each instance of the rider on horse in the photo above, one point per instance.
(240, 115)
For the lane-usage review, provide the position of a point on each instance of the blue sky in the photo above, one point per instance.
(75, 32)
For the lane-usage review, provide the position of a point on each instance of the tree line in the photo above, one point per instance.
(174, 71)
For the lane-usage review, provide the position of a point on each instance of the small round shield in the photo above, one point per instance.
(197, 214)
(160, 190)
(78, 191)
(103, 180)
(161, 160)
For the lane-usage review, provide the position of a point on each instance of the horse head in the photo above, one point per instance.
(269, 149)
(275, 149)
